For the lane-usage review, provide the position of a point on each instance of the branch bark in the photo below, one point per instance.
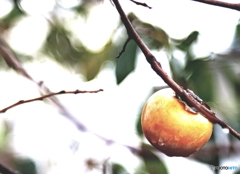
(46, 96)
(186, 95)
(140, 3)
(233, 6)
(13, 62)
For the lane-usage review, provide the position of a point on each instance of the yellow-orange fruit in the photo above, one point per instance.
(171, 128)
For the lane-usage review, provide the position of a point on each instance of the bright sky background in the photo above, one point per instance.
(118, 106)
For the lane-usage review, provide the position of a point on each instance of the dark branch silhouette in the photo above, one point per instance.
(186, 95)
(9, 57)
(124, 47)
(46, 96)
(6, 170)
(233, 6)
(142, 4)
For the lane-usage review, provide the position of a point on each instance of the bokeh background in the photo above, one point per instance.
(59, 45)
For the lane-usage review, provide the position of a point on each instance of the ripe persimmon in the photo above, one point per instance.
(172, 128)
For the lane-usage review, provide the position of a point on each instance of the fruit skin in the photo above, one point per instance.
(172, 129)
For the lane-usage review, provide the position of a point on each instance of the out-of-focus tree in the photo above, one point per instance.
(212, 77)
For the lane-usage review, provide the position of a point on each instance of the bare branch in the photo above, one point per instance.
(11, 60)
(233, 6)
(186, 95)
(6, 170)
(124, 47)
(46, 96)
(142, 4)
(14, 63)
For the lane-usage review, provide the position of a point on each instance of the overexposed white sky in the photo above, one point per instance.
(113, 112)
(178, 18)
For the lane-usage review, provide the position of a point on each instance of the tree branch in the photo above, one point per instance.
(9, 57)
(124, 47)
(186, 95)
(142, 4)
(13, 62)
(46, 96)
(233, 6)
(6, 170)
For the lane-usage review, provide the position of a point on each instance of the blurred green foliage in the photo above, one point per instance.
(118, 169)
(59, 47)
(153, 163)
(26, 166)
(139, 125)
(9, 20)
(195, 73)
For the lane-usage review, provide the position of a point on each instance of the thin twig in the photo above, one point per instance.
(13, 62)
(233, 6)
(46, 96)
(189, 97)
(124, 47)
(9, 54)
(141, 3)
(6, 170)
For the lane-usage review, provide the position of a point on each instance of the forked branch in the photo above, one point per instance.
(186, 95)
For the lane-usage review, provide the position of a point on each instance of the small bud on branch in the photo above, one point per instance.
(46, 96)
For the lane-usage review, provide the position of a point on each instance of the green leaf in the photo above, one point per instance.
(153, 164)
(201, 79)
(92, 62)
(156, 37)
(160, 38)
(178, 73)
(237, 31)
(227, 72)
(5, 130)
(10, 19)
(118, 169)
(126, 63)
(75, 55)
(237, 172)
(139, 125)
(26, 166)
(188, 41)
(58, 46)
